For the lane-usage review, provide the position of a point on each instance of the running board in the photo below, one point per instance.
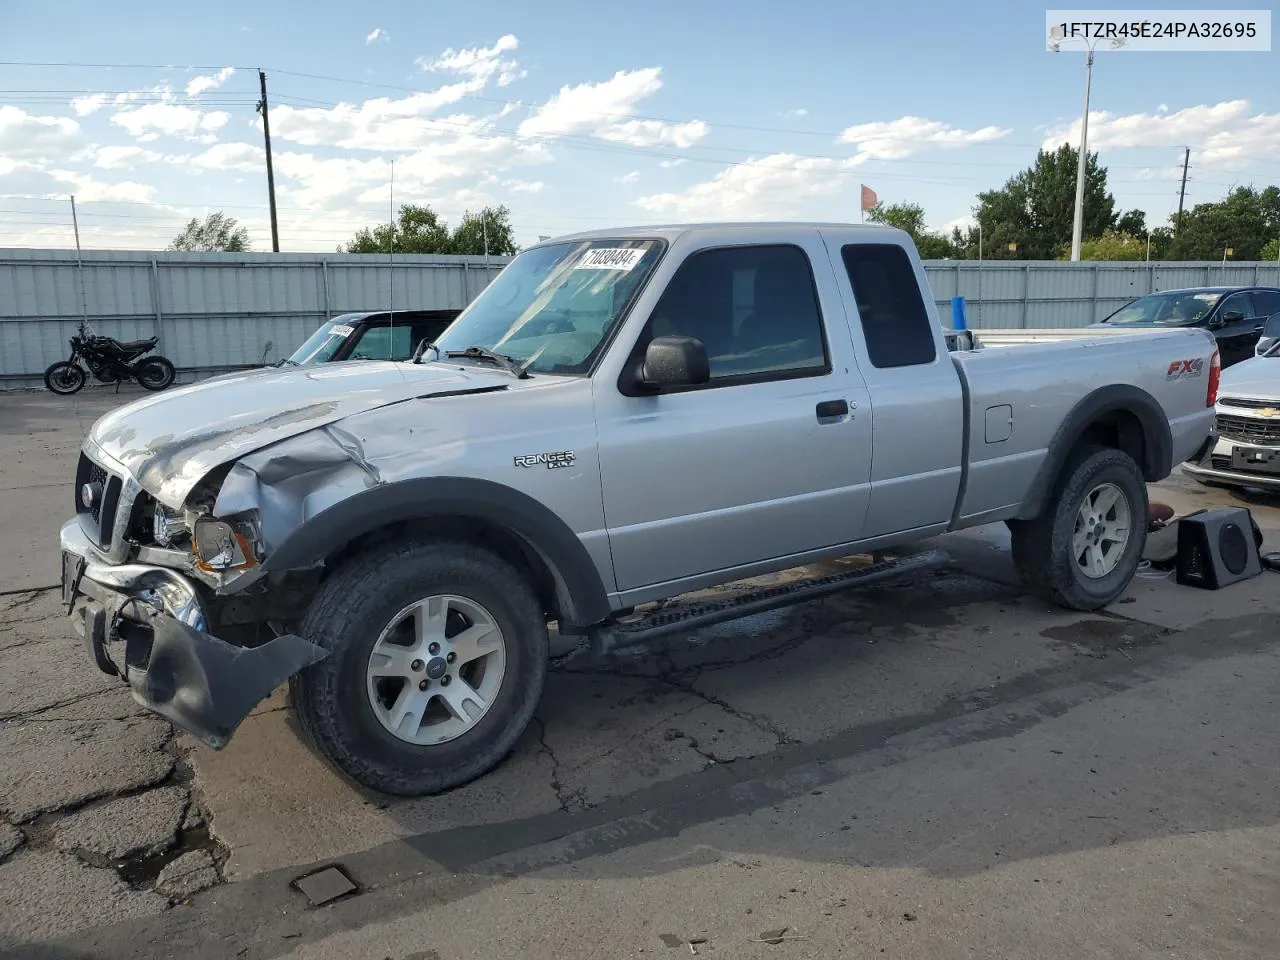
(677, 618)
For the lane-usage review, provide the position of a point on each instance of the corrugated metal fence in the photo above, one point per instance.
(212, 312)
(216, 312)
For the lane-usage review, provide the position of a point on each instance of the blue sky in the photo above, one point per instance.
(580, 114)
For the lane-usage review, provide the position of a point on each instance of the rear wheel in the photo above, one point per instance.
(155, 373)
(438, 654)
(64, 378)
(1083, 550)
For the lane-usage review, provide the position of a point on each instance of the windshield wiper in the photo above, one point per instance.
(510, 364)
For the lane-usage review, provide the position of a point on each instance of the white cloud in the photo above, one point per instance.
(630, 177)
(376, 34)
(524, 186)
(171, 120)
(83, 106)
(1163, 108)
(677, 162)
(379, 124)
(204, 83)
(124, 157)
(89, 190)
(899, 138)
(1229, 133)
(27, 136)
(129, 96)
(963, 223)
(479, 64)
(230, 156)
(794, 114)
(777, 185)
(603, 110)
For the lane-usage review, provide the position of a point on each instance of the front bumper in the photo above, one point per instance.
(147, 625)
(1214, 463)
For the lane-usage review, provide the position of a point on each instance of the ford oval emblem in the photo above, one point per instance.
(89, 495)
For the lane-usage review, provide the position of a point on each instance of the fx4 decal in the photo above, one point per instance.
(561, 458)
(1181, 369)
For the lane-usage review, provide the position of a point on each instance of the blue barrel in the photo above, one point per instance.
(958, 321)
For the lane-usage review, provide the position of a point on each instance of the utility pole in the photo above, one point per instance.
(1082, 161)
(271, 177)
(84, 299)
(1182, 193)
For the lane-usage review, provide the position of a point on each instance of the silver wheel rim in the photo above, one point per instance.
(1103, 527)
(436, 669)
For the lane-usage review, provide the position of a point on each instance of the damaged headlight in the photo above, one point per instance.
(167, 526)
(221, 546)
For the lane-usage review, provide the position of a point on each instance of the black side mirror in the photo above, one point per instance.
(1216, 323)
(1232, 316)
(674, 362)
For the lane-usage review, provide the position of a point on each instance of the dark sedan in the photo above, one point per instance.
(1235, 315)
(378, 335)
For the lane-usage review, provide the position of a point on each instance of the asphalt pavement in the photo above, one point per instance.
(935, 768)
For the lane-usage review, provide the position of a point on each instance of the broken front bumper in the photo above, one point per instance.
(147, 625)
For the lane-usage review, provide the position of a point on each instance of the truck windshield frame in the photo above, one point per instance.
(556, 307)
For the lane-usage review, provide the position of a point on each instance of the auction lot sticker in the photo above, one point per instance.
(610, 258)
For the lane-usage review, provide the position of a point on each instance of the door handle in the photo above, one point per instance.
(828, 409)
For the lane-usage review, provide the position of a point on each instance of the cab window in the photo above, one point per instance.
(385, 343)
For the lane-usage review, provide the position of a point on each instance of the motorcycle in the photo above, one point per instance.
(110, 361)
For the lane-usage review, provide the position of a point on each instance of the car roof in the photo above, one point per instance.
(671, 231)
(431, 314)
(1214, 289)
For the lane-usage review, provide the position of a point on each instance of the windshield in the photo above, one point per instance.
(1167, 309)
(554, 306)
(324, 343)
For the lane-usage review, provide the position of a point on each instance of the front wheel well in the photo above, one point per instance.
(504, 542)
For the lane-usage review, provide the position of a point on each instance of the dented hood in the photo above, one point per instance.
(170, 440)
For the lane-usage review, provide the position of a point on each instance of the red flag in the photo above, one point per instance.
(868, 198)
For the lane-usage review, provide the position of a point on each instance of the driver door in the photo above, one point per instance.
(1236, 334)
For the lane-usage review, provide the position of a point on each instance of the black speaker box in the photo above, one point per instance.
(1217, 547)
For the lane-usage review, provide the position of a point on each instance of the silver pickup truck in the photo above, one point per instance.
(621, 417)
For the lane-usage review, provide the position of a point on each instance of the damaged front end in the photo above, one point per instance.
(148, 625)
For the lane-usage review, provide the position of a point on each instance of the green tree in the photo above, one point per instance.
(1271, 251)
(1034, 209)
(488, 231)
(910, 218)
(1113, 245)
(1244, 221)
(419, 229)
(216, 233)
(1132, 222)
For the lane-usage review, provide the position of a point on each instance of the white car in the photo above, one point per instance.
(1247, 452)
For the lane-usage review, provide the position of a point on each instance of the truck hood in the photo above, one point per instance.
(170, 440)
(1257, 378)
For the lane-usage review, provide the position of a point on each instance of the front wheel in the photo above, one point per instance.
(64, 378)
(1083, 551)
(155, 373)
(438, 655)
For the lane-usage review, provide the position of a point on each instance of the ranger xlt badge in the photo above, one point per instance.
(562, 458)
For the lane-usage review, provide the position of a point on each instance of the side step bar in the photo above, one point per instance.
(675, 619)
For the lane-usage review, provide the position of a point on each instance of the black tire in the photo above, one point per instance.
(155, 373)
(1042, 548)
(347, 616)
(64, 378)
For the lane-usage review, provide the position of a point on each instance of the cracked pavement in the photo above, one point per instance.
(932, 768)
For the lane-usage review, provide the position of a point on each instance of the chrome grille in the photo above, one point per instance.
(97, 519)
(1264, 432)
(1249, 404)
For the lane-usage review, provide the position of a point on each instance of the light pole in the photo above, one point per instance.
(1077, 223)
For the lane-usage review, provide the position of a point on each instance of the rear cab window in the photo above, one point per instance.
(895, 322)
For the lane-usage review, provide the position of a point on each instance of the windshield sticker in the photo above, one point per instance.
(341, 330)
(610, 258)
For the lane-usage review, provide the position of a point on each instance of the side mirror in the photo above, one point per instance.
(674, 362)
(1232, 316)
(1216, 323)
